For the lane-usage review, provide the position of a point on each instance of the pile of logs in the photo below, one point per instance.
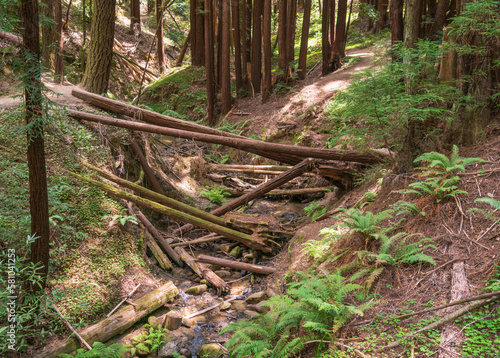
(337, 166)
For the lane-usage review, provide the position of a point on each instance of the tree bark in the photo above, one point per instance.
(135, 14)
(147, 169)
(235, 22)
(49, 44)
(197, 33)
(304, 39)
(282, 36)
(225, 63)
(266, 35)
(183, 50)
(39, 206)
(396, 14)
(236, 265)
(116, 323)
(257, 46)
(325, 45)
(59, 64)
(245, 51)
(412, 22)
(209, 62)
(159, 28)
(290, 31)
(98, 68)
(439, 17)
(338, 51)
(203, 271)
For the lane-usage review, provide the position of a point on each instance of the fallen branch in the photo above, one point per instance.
(11, 37)
(116, 323)
(159, 238)
(145, 166)
(203, 271)
(254, 241)
(465, 300)
(162, 259)
(444, 320)
(207, 238)
(287, 192)
(73, 330)
(124, 299)
(236, 265)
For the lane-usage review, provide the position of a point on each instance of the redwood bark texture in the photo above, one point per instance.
(39, 204)
(266, 35)
(225, 64)
(135, 14)
(304, 39)
(257, 45)
(396, 15)
(209, 62)
(159, 28)
(100, 55)
(235, 21)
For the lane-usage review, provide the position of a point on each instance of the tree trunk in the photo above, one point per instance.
(98, 68)
(197, 35)
(209, 62)
(245, 50)
(49, 43)
(290, 32)
(159, 28)
(59, 64)
(304, 39)
(225, 57)
(325, 45)
(439, 17)
(266, 34)
(135, 15)
(39, 205)
(116, 323)
(396, 14)
(236, 265)
(235, 16)
(339, 43)
(151, 6)
(382, 17)
(183, 50)
(257, 46)
(412, 22)
(282, 36)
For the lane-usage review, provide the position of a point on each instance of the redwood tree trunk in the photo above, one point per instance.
(100, 55)
(209, 61)
(325, 46)
(135, 14)
(338, 51)
(266, 35)
(225, 67)
(440, 17)
(59, 65)
(49, 44)
(290, 33)
(39, 206)
(235, 16)
(159, 28)
(257, 46)
(282, 31)
(244, 49)
(304, 39)
(396, 13)
(197, 36)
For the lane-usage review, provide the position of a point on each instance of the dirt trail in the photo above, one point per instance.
(283, 112)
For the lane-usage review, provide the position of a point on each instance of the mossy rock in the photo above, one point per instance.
(211, 350)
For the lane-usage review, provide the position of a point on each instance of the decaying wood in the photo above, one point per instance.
(289, 192)
(252, 241)
(162, 199)
(306, 165)
(162, 259)
(203, 271)
(251, 169)
(72, 329)
(281, 152)
(172, 321)
(159, 238)
(11, 37)
(465, 300)
(206, 238)
(115, 324)
(236, 265)
(145, 166)
(444, 320)
(124, 299)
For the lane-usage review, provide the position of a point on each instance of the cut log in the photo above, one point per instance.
(306, 165)
(172, 321)
(116, 323)
(236, 265)
(159, 238)
(252, 241)
(171, 203)
(203, 271)
(280, 152)
(145, 166)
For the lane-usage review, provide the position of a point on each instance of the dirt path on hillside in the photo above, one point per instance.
(307, 99)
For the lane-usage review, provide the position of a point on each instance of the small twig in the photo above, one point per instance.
(73, 330)
(122, 301)
(487, 231)
(443, 265)
(239, 279)
(206, 309)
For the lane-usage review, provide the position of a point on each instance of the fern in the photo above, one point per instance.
(494, 203)
(443, 164)
(99, 350)
(404, 207)
(367, 224)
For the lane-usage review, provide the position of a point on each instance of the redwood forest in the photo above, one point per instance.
(250, 178)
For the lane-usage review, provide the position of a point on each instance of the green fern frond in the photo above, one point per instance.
(490, 201)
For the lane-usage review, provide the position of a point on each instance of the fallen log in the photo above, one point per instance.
(288, 192)
(159, 238)
(306, 165)
(162, 199)
(201, 240)
(116, 323)
(236, 265)
(203, 271)
(11, 37)
(252, 241)
(273, 151)
(162, 259)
